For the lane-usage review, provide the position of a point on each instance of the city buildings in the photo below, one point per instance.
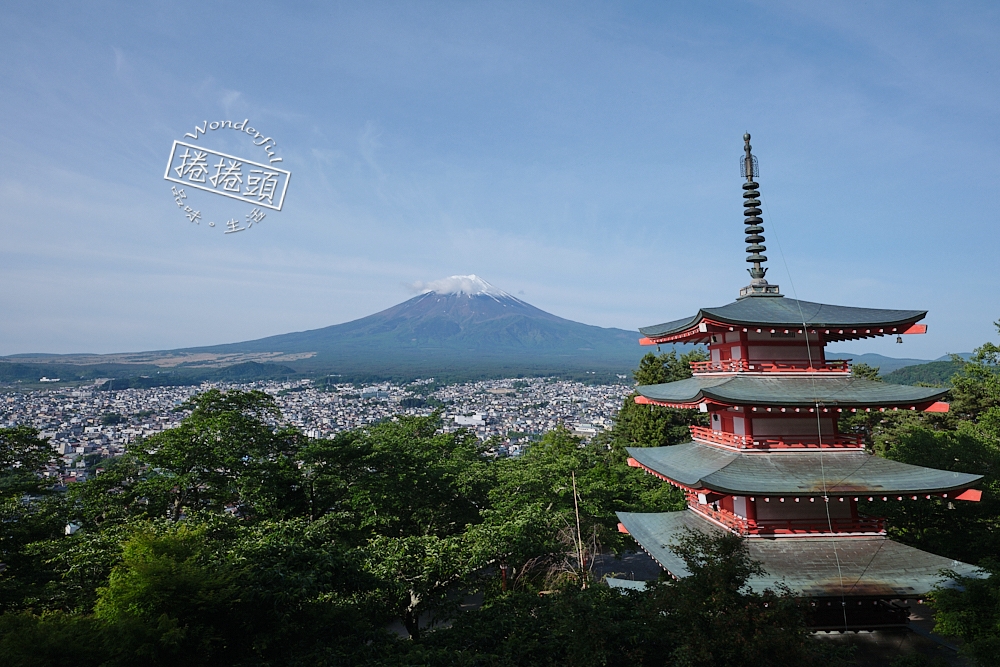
(88, 424)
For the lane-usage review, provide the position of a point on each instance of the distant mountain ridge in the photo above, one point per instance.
(884, 364)
(459, 328)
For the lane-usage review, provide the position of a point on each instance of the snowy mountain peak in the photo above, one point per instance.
(471, 285)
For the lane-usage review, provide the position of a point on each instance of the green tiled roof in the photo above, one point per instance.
(782, 311)
(831, 390)
(628, 584)
(875, 566)
(800, 474)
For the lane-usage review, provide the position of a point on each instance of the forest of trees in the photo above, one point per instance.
(232, 540)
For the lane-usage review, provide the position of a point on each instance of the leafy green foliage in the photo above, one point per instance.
(28, 511)
(234, 540)
(654, 426)
(963, 530)
(966, 439)
(23, 456)
(538, 487)
(972, 613)
(934, 374)
(865, 371)
(708, 619)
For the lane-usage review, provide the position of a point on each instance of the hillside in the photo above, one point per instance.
(933, 373)
(883, 363)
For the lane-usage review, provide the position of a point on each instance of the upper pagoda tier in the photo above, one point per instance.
(779, 314)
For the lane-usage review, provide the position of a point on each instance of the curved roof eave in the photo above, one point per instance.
(699, 466)
(812, 567)
(754, 390)
(782, 311)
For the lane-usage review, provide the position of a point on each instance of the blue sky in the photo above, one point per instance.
(583, 156)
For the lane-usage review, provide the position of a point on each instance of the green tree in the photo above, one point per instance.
(530, 520)
(220, 590)
(711, 618)
(405, 495)
(971, 611)
(420, 574)
(967, 439)
(169, 584)
(716, 618)
(29, 512)
(866, 372)
(227, 453)
(23, 458)
(399, 478)
(655, 426)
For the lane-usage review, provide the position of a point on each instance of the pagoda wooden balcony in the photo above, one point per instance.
(738, 524)
(734, 441)
(745, 365)
(812, 526)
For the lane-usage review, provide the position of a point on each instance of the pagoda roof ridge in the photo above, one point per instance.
(838, 389)
(780, 311)
(812, 473)
(812, 567)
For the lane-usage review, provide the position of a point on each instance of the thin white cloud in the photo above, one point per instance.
(470, 285)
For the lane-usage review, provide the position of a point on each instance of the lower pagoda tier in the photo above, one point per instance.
(871, 568)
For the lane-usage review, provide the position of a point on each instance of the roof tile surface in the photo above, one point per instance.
(800, 474)
(782, 311)
(810, 566)
(829, 390)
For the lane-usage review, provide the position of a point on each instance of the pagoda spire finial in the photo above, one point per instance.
(754, 227)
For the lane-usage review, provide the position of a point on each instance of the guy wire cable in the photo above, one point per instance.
(819, 424)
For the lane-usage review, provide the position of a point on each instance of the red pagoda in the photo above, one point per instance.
(773, 467)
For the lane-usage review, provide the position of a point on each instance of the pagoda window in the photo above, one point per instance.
(733, 337)
(781, 352)
(740, 506)
(800, 426)
(790, 510)
(779, 336)
(739, 426)
(736, 352)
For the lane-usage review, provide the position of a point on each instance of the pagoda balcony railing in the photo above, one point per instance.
(807, 526)
(734, 441)
(738, 524)
(746, 365)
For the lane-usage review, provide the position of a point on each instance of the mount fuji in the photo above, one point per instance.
(459, 328)
(461, 323)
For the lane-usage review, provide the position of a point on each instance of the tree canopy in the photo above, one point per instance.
(234, 539)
